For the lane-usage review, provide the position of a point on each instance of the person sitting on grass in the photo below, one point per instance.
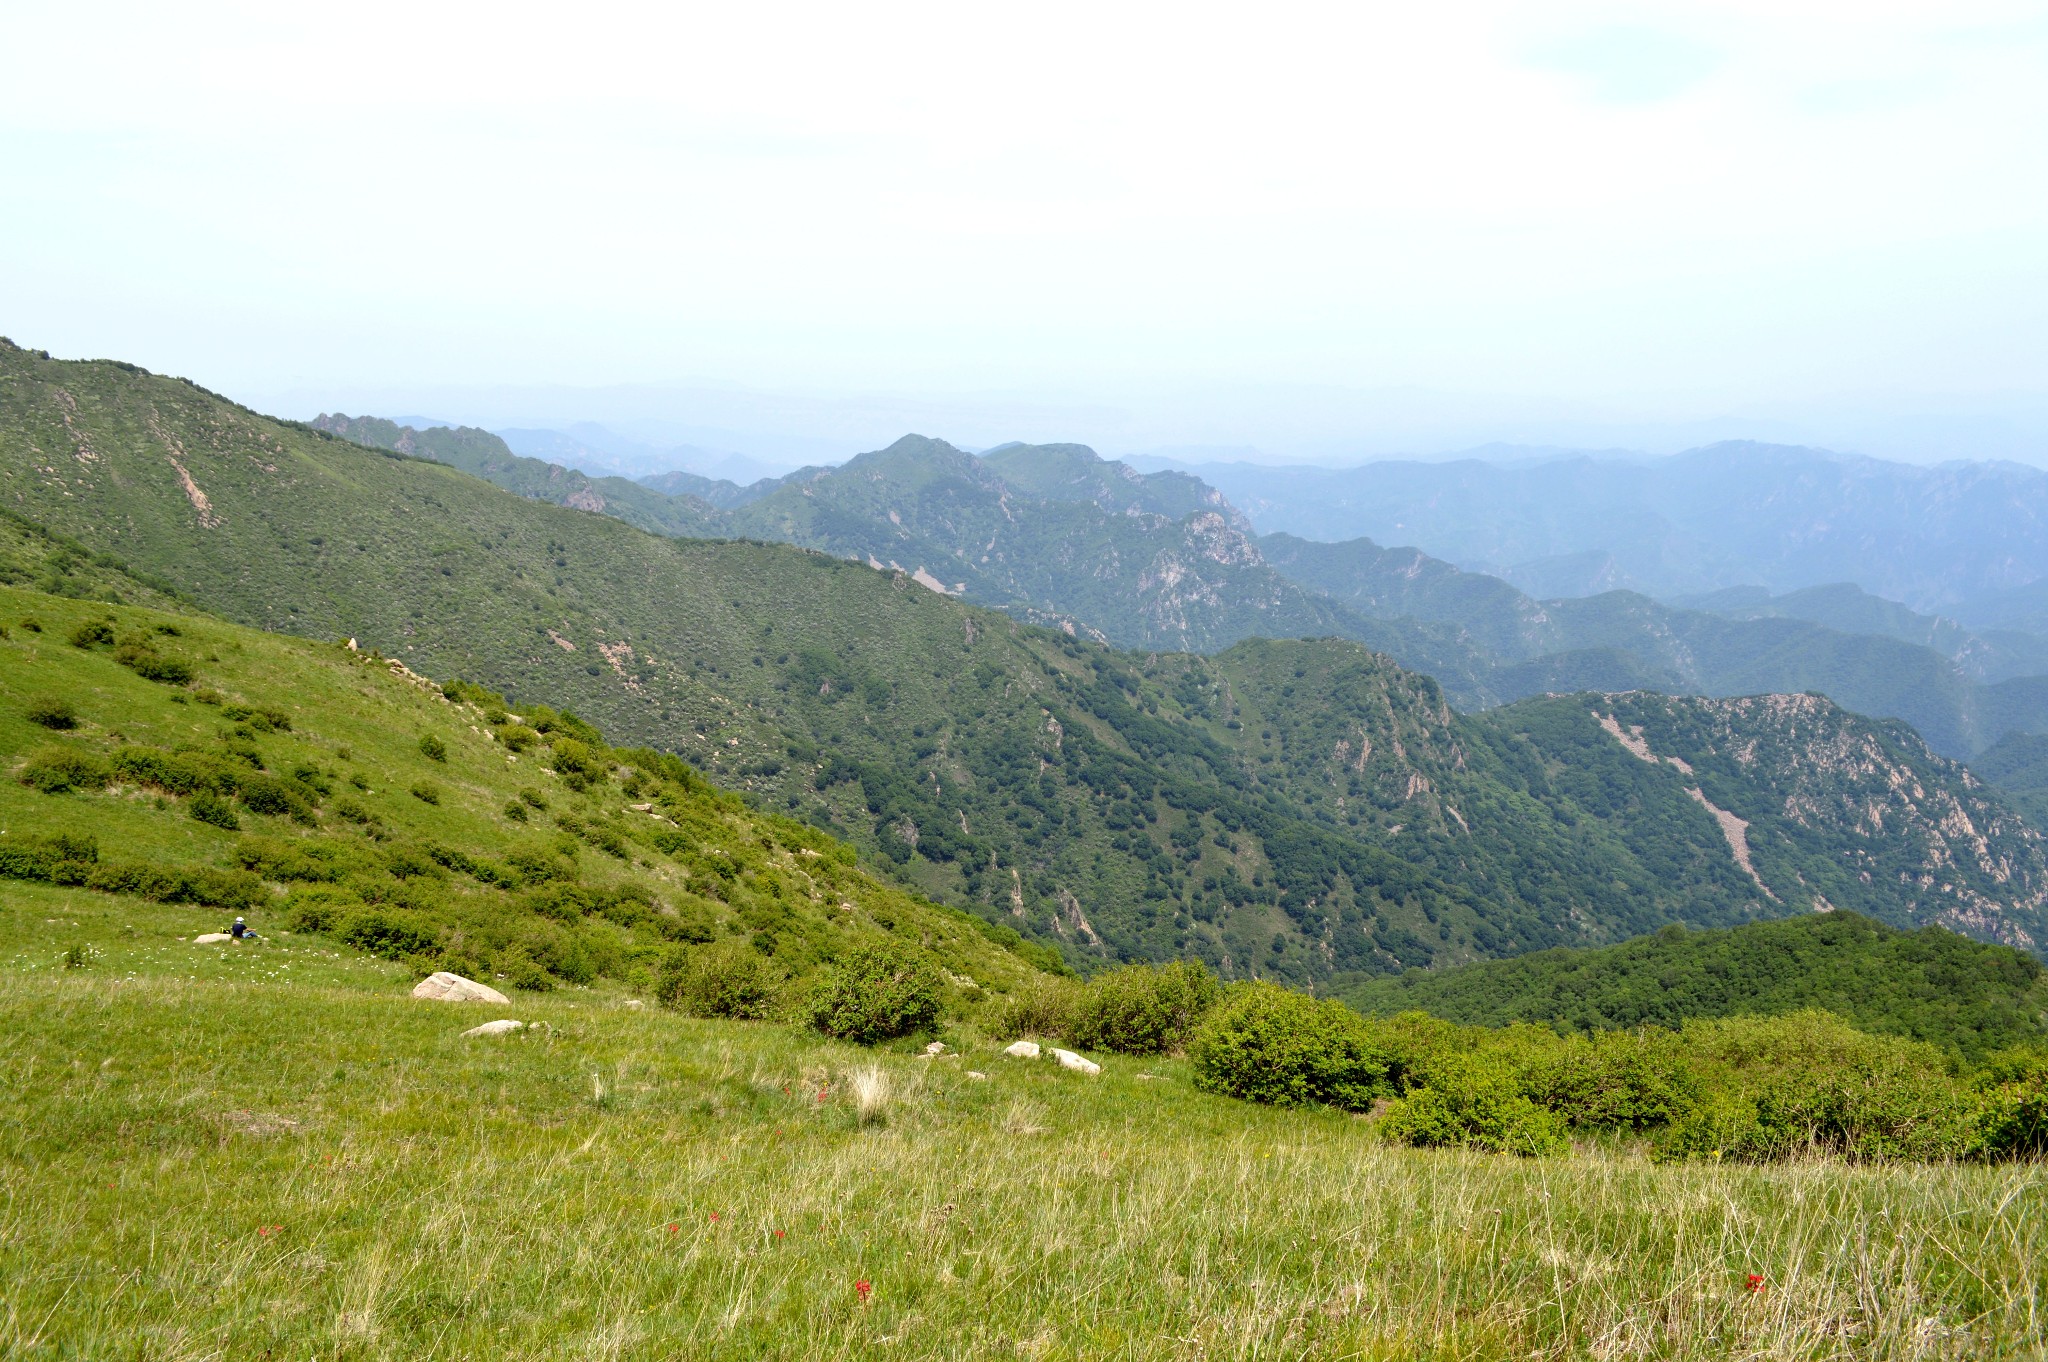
(240, 931)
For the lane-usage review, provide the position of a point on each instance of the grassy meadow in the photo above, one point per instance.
(269, 1150)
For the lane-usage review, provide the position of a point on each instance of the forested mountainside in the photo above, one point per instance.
(1930, 984)
(1116, 804)
(1732, 514)
(1932, 683)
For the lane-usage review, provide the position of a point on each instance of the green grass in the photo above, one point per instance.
(207, 1154)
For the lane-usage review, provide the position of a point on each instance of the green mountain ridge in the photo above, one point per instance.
(1116, 805)
(1929, 985)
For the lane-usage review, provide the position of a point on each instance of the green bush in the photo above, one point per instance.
(392, 935)
(426, 792)
(876, 993)
(318, 908)
(1144, 1009)
(523, 971)
(92, 632)
(154, 666)
(1809, 1082)
(54, 770)
(52, 712)
(1615, 1080)
(1265, 1043)
(724, 979)
(2012, 1105)
(433, 749)
(1041, 1007)
(268, 795)
(208, 807)
(43, 858)
(1474, 1101)
(171, 884)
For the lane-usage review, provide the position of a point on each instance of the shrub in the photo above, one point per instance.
(1042, 1007)
(196, 884)
(426, 792)
(42, 858)
(154, 666)
(90, 633)
(52, 712)
(724, 979)
(516, 811)
(172, 772)
(1473, 1101)
(1145, 1009)
(208, 807)
(318, 908)
(2012, 1105)
(390, 934)
(433, 749)
(32, 624)
(523, 971)
(1268, 1044)
(267, 795)
(54, 770)
(1808, 1081)
(876, 993)
(1615, 1080)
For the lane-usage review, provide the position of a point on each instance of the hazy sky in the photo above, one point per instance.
(1187, 224)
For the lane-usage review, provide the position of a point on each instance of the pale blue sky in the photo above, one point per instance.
(1315, 229)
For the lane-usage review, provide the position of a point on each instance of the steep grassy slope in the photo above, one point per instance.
(1116, 805)
(1931, 984)
(405, 822)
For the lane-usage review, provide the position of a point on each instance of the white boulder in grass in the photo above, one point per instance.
(1023, 1049)
(212, 938)
(443, 987)
(1069, 1060)
(496, 1028)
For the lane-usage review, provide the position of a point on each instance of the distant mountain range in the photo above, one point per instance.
(1057, 535)
(1736, 514)
(1300, 809)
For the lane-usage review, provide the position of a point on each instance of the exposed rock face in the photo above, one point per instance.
(444, 987)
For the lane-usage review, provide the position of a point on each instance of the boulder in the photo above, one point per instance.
(937, 1047)
(443, 987)
(1023, 1049)
(1069, 1060)
(212, 938)
(496, 1028)
(977, 1075)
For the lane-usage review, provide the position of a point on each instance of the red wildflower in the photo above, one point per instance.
(672, 1229)
(778, 1234)
(863, 1288)
(1756, 1283)
(714, 1217)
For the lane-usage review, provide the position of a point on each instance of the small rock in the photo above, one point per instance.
(443, 987)
(1069, 1060)
(977, 1075)
(211, 938)
(937, 1047)
(1023, 1049)
(496, 1028)
(635, 1004)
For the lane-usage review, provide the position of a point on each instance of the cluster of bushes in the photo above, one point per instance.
(73, 860)
(874, 993)
(1134, 1010)
(1739, 1088)
(207, 778)
(137, 651)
